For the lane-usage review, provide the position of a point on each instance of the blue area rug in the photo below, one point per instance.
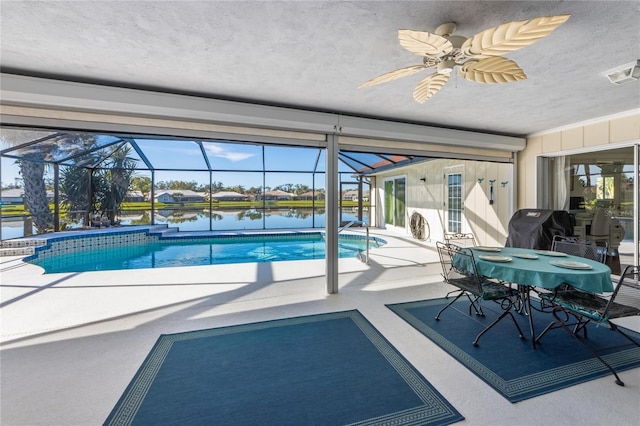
(510, 365)
(328, 369)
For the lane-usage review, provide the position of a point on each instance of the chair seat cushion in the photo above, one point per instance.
(589, 304)
(467, 284)
(583, 303)
(492, 290)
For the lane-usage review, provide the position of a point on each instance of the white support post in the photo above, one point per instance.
(636, 202)
(331, 214)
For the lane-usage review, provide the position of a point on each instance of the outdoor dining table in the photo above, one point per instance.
(545, 269)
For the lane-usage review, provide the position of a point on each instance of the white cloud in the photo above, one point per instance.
(235, 156)
(221, 152)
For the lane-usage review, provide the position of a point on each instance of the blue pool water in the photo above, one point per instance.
(201, 251)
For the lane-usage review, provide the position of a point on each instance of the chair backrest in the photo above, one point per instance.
(459, 239)
(625, 300)
(458, 265)
(582, 248)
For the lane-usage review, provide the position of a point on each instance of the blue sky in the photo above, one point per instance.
(231, 157)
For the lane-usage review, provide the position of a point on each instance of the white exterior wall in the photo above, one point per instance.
(488, 222)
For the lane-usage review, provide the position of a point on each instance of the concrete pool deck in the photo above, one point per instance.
(72, 342)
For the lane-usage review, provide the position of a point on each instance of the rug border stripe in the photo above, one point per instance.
(416, 381)
(132, 397)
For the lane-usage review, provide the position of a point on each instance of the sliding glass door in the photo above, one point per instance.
(601, 184)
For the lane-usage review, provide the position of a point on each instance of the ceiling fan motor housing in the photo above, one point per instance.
(445, 29)
(453, 57)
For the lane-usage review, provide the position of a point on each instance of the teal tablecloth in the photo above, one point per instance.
(540, 273)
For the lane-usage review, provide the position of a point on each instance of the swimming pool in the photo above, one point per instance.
(136, 250)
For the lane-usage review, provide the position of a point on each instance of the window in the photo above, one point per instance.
(454, 202)
(605, 188)
(395, 201)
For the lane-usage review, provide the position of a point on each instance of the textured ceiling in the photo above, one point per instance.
(314, 54)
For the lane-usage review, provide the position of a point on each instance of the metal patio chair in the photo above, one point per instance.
(575, 247)
(582, 248)
(460, 239)
(586, 308)
(459, 270)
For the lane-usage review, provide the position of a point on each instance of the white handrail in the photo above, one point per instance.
(359, 222)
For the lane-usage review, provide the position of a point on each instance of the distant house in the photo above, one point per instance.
(13, 196)
(164, 197)
(351, 195)
(16, 196)
(229, 196)
(311, 195)
(275, 195)
(178, 196)
(134, 197)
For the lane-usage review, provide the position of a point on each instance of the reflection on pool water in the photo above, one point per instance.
(135, 250)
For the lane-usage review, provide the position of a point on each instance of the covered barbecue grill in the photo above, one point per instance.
(535, 228)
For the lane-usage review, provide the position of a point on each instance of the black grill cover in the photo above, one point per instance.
(535, 229)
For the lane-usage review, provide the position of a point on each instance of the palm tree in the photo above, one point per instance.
(35, 194)
(74, 191)
(109, 185)
(114, 182)
(32, 169)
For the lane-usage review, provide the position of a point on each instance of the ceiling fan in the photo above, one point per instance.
(479, 58)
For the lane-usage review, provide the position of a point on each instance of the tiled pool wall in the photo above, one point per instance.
(79, 243)
(132, 242)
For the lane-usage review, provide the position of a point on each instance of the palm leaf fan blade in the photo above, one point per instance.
(393, 75)
(495, 69)
(511, 36)
(423, 43)
(429, 86)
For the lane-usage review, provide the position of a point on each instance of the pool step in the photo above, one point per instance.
(165, 232)
(20, 247)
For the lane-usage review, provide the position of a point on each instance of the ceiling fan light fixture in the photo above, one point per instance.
(624, 73)
(446, 67)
